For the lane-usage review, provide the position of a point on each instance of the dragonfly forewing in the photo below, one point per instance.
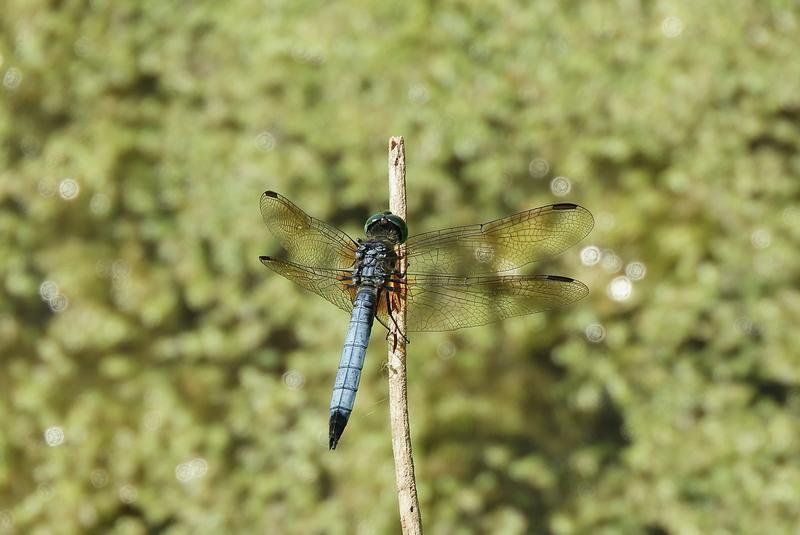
(307, 240)
(501, 245)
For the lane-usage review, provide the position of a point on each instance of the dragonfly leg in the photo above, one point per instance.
(394, 322)
(397, 277)
(392, 332)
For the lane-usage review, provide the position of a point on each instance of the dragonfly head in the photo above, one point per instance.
(388, 226)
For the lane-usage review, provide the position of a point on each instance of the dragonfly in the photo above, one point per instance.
(454, 278)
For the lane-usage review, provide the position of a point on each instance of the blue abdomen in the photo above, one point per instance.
(352, 361)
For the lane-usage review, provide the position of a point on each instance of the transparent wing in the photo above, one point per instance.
(444, 303)
(500, 245)
(307, 240)
(328, 283)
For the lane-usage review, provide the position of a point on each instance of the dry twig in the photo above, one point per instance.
(410, 517)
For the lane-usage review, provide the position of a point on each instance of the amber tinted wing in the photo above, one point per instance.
(307, 240)
(444, 303)
(499, 245)
(328, 283)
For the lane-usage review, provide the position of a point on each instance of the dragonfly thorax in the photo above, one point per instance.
(375, 261)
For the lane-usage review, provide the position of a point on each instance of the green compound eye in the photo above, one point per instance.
(395, 220)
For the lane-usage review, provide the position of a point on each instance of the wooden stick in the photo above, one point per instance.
(410, 517)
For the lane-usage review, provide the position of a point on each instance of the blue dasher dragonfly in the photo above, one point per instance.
(455, 278)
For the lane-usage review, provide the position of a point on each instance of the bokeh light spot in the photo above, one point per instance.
(152, 420)
(560, 186)
(54, 436)
(294, 380)
(191, 470)
(48, 290)
(791, 215)
(446, 350)
(120, 269)
(128, 493)
(68, 189)
(672, 26)
(605, 221)
(418, 93)
(200, 466)
(98, 478)
(100, 204)
(12, 78)
(595, 333)
(635, 271)
(46, 187)
(620, 289)
(611, 261)
(58, 303)
(6, 520)
(82, 47)
(538, 168)
(265, 141)
(183, 472)
(761, 238)
(590, 255)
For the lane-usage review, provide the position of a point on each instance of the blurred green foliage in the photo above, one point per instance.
(156, 378)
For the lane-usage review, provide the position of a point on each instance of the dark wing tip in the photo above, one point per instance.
(578, 289)
(565, 206)
(270, 193)
(265, 259)
(568, 207)
(560, 278)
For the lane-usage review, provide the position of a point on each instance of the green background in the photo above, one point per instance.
(155, 377)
